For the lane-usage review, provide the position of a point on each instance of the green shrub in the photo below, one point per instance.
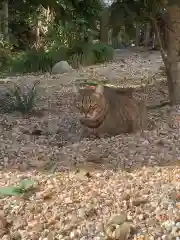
(20, 99)
(30, 61)
(5, 55)
(81, 53)
(88, 53)
(58, 53)
(102, 52)
(34, 61)
(85, 58)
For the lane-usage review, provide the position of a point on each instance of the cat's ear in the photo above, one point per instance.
(99, 89)
(75, 89)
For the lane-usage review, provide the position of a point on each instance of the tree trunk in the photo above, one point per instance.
(5, 10)
(37, 34)
(137, 34)
(104, 26)
(173, 51)
(154, 44)
(147, 34)
(1, 20)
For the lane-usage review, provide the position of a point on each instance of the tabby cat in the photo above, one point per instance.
(106, 112)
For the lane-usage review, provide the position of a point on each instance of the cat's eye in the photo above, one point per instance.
(95, 106)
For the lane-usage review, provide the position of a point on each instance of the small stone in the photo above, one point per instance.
(146, 142)
(151, 238)
(122, 232)
(74, 219)
(164, 237)
(73, 234)
(109, 202)
(46, 194)
(178, 225)
(118, 219)
(174, 195)
(141, 217)
(140, 201)
(83, 238)
(94, 158)
(61, 67)
(125, 197)
(6, 159)
(51, 236)
(168, 225)
(82, 212)
(178, 205)
(177, 197)
(6, 237)
(174, 230)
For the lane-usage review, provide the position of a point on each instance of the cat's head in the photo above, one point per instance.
(89, 101)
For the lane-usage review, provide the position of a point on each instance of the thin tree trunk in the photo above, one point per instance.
(147, 34)
(173, 51)
(172, 58)
(104, 26)
(153, 41)
(1, 20)
(37, 34)
(137, 34)
(5, 10)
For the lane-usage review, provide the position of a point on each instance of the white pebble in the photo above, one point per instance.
(73, 234)
(141, 216)
(83, 238)
(178, 225)
(145, 142)
(168, 225)
(81, 212)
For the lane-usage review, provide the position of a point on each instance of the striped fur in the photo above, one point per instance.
(104, 111)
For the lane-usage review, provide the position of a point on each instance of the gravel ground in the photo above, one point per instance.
(81, 183)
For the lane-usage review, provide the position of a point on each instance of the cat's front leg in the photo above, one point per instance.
(90, 133)
(85, 121)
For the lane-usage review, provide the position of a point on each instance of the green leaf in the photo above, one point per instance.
(26, 184)
(10, 191)
(23, 187)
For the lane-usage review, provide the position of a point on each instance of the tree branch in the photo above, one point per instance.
(163, 54)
